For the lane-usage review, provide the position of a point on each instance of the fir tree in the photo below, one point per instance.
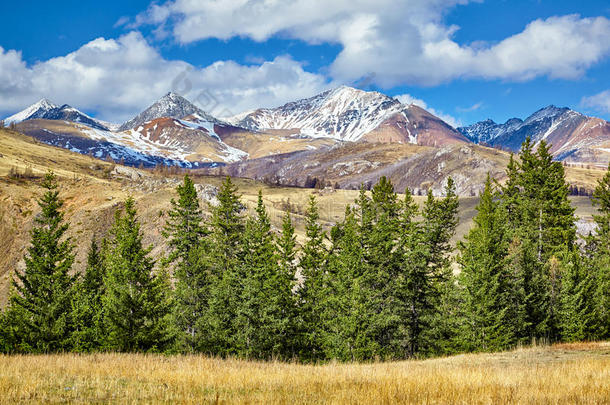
(226, 253)
(265, 316)
(87, 304)
(544, 230)
(186, 238)
(285, 284)
(438, 226)
(39, 313)
(136, 300)
(484, 277)
(599, 263)
(577, 319)
(311, 293)
(345, 321)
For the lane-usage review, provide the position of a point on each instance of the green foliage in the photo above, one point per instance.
(381, 287)
(485, 277)
(226, 252)
(136, 301)
(39, 313)
(311, 293)
(599, 258)
(186, 236)
(87, 308)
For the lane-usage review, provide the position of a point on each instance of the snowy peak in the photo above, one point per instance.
(36, 110)
(568, 132)
(343, 113)
(547, 113)
(171, 105)
(44, 109)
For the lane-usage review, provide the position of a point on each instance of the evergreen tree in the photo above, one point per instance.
(311, 293)
(136, 300)
(265, 315)
(186, 236)
(599, 263)
(440, 218)
(285, 283)
(577, 307)
(345, 321)
(226, 254)
(87, 304)
(39, 312)
(543, 229)
(485, 278)
(414, 283)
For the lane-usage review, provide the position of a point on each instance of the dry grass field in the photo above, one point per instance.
(560, 374)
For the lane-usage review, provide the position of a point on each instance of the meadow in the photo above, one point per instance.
(560, 374)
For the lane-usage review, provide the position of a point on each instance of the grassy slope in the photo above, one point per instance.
(92, 196)
(575, 373)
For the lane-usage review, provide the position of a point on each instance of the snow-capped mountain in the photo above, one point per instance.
(171, 105)
(571, 134)
(44, 109)
(343, 113)
(350, 114)
(36, 110)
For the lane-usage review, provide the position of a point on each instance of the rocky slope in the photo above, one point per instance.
(171, 105)
(44, 109)
(573, 137)
(350, 114)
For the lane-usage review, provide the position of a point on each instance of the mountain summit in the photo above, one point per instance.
(36, 110)
(171, 105)
(572, 135)
(350, 114)
(44, 109)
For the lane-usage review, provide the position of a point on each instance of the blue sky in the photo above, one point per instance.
(463, 60)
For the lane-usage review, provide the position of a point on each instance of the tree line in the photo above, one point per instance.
(383, 283)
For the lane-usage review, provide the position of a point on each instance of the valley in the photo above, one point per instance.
(94, 189)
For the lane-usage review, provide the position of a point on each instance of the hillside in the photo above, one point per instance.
(94, 190)
(560, 374)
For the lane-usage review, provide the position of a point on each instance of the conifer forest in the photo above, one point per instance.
(384, 283)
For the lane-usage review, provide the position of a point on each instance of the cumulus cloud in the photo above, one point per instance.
(408, 99)
(599, 102)
(119, 77)
(405, 42)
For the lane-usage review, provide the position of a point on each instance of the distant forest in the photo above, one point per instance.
(385, 283)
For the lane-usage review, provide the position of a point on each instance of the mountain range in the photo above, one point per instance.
(573, 137)
(344, 134)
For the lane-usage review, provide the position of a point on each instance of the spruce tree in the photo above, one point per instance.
(87, 304)
(414, 283)
(599, 263)
(484, 277)
(440, 218)
(345, 320)
(265, 315)
(285, 283)
(186, 235)
(577, 319)
(226, 253)
(544, 230)
(136, 300)
(311, 293)
(39, 312)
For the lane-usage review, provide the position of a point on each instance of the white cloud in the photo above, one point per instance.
(405, 42)
(119, 77)
(408, 99)
(599, 102)
(473, 107)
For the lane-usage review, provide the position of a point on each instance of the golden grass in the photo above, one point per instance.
(561, 374)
